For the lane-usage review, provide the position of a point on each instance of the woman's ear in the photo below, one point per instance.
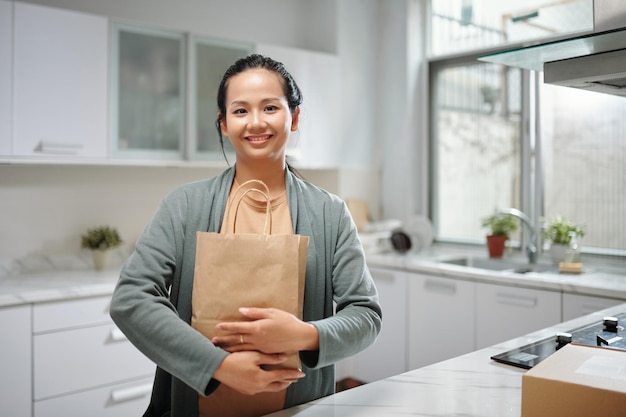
(295, 119)
(223, 126)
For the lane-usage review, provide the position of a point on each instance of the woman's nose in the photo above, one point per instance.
(257, 119)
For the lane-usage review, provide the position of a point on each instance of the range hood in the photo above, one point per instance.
(593, 60)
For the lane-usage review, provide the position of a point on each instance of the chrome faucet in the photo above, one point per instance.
(532, 246)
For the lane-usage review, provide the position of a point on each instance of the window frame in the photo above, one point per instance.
(530, 196)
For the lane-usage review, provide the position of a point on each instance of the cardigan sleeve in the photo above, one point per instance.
(358, 318)
(141, 306)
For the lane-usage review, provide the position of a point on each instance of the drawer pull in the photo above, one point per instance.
(132, 393)
(439, 287)
(516, 300)
(58, 148)
(117, 335)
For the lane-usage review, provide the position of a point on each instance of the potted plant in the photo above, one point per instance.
(501, 226)
(101, 240)
(557, 230)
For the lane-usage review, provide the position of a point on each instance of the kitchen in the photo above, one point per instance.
(39, 200)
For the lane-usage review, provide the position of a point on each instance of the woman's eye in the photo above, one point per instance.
(239, 111)
(271, 107)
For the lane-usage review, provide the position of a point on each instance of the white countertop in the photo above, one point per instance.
(470, 385)
(597, 280)
(55, 286)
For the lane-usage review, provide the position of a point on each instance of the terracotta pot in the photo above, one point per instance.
(495, 245)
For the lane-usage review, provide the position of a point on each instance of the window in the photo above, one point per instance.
(468, 25)
(583, 152)
(476, 122)
(486, 155)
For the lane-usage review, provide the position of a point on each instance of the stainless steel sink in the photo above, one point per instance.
(495, 264)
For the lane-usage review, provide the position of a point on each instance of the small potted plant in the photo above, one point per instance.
(501, 226)
(557, 230)
(101, 240)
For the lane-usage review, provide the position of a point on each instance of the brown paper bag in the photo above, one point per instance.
(235, 270)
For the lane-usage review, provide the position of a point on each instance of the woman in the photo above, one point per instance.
(258, 104)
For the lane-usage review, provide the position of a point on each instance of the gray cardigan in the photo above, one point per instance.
(157, 322)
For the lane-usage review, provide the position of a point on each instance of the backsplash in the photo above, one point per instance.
(44, 209)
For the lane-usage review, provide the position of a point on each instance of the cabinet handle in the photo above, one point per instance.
(58, 148)
(117, 335)
(132, 393)
(448, 288)
(516, 300)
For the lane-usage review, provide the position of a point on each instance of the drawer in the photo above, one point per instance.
(122, 400)
(78, 359)
(69, 314)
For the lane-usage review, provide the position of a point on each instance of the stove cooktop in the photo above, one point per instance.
(608, 333)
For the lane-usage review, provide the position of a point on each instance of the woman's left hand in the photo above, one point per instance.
(269, 331)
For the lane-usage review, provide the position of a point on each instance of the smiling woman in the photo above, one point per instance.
(259, 107)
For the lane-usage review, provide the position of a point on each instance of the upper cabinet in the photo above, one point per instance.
(317, 142)
(59, 82)
(81, 87)
(163, 89)
(6, 78)
(147, 93)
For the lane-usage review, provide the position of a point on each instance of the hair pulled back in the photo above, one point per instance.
(256, 61)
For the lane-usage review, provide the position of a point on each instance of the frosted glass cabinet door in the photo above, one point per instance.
(148, 93)
(211, 60)
(60, 82)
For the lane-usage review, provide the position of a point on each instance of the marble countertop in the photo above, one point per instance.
(597, 278)
(470, 385)
(56, 285)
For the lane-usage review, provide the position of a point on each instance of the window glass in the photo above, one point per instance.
(476, 121)
(584, 154)
(464, 25)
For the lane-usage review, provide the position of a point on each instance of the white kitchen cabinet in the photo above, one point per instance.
(83, 365)
(15, 361)
(576, 305)
(441, 319)
(59, 82)
(6, 75)
(120, 400)
(505, 312)
(387, 356)
(317, 142)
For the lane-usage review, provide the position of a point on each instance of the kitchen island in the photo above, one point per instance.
(470, 385)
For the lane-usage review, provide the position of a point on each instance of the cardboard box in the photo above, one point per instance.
(576, 381)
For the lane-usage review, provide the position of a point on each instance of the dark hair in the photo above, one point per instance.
(254, 61)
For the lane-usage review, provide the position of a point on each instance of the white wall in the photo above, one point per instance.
(45, 209)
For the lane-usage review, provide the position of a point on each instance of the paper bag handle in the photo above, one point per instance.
(237, 199)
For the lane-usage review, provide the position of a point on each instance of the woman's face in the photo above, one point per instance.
(258, 120)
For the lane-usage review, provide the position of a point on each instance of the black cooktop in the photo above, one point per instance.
(609, 333)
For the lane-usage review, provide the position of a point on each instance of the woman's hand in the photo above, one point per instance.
(269, 331)
(243, 371)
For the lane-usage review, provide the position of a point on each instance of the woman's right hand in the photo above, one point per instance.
(243, 371)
